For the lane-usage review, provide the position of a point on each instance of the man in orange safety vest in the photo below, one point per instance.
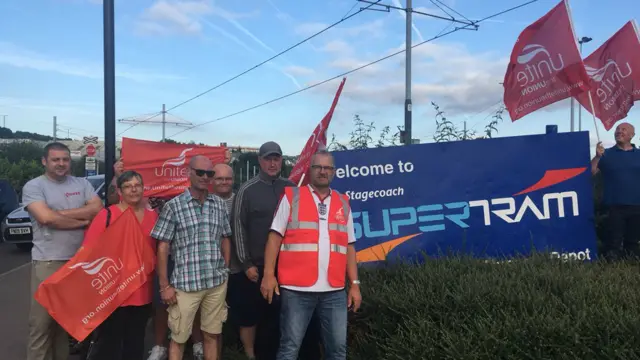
(312, 238)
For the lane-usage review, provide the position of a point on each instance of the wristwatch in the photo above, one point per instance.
(356, 282)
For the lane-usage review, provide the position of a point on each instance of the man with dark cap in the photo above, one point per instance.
(254, 207)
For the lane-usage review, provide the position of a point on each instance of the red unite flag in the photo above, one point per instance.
(614, 69)
(545, 65)
(318, 138)
(93, 284)
(164, 167)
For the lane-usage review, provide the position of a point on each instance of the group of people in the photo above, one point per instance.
(275, 260)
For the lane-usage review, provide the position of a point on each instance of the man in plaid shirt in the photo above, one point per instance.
(195, 226)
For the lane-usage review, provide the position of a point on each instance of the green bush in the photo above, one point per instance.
(460, 308)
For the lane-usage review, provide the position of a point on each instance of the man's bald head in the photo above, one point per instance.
(624, 134)
(223, 180)
(221, 168)
(200, 162)
(201, 173)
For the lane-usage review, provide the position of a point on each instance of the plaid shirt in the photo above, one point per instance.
(194, 233)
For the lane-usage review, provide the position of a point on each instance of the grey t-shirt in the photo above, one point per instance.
(73, 193)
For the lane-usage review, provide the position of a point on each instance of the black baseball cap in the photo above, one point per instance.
(270, 148)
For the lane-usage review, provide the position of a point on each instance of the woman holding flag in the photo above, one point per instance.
(121, 335)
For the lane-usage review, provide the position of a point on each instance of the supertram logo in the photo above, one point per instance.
(438, 217)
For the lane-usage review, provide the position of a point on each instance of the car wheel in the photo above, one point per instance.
(25, 247)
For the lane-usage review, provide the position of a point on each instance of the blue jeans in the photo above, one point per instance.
(295, 313)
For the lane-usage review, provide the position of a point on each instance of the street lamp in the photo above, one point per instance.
(585, 39)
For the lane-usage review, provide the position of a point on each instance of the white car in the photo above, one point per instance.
(16, 228)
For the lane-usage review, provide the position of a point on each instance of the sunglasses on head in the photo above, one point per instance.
(201, 172)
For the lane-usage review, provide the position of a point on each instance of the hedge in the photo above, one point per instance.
(461, 308)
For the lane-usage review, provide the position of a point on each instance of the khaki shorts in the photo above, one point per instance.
(213, 312)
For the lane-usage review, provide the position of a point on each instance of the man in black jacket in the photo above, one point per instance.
(253, 210)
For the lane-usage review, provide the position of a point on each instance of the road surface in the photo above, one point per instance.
(14, 301)
(15, 274)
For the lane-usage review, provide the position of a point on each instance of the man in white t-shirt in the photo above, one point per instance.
(312, 238)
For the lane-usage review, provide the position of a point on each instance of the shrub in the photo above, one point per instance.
(459, 308)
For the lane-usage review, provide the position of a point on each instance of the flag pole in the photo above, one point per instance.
(593, 112)
(301, 180)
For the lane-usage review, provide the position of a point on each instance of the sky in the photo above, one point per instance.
(168, 51)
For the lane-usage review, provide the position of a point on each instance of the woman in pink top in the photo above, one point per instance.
(121, 335)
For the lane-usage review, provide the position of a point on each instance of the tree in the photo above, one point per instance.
(448, 131)
(170, 141)
(361, 137)
(6, 133)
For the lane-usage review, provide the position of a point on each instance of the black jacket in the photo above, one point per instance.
(254, 207)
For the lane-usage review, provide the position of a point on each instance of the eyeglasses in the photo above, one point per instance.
(201, 172)
(131, 186)
(320, 167)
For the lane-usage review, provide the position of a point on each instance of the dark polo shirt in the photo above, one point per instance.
(621, 176)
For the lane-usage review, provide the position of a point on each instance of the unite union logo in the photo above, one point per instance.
(539, 74)
(103, 272)
(178, 161)
(177, 171)
(70, 194)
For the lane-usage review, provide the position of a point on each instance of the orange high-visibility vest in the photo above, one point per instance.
(298, 258)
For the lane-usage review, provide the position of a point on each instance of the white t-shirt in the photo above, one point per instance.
(279, 225)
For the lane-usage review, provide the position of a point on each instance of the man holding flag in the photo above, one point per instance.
(620, 168)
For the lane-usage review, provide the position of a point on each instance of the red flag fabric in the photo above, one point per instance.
(318, 138)
(545, 65)
(97, 280)
(165, 166)
(614, 69)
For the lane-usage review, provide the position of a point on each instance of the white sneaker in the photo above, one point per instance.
(198, 351)
(158, 353)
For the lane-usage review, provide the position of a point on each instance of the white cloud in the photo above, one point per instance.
(308, 29)
(447, 73)
(168, 17)
(56, 107)
(338, 47)
(299, 70)
(16, 56)
(371, 30)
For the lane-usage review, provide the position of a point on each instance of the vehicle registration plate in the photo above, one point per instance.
(20, 231)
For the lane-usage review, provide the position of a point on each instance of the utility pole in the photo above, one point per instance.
(164, 120)
(584, 39)
(406, 138)
(407, 101)
(55, 128)
(4, 121)
(109, 89)
(464, 132)
(572, 126)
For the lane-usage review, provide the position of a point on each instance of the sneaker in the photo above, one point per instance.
(158, 353)
(198, 351)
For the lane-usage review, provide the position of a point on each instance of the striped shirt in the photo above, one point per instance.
(254, 206)
(194, 232)
(234, 264)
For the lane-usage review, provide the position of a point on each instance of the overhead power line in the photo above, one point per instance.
(343, 19)
(466, 27)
